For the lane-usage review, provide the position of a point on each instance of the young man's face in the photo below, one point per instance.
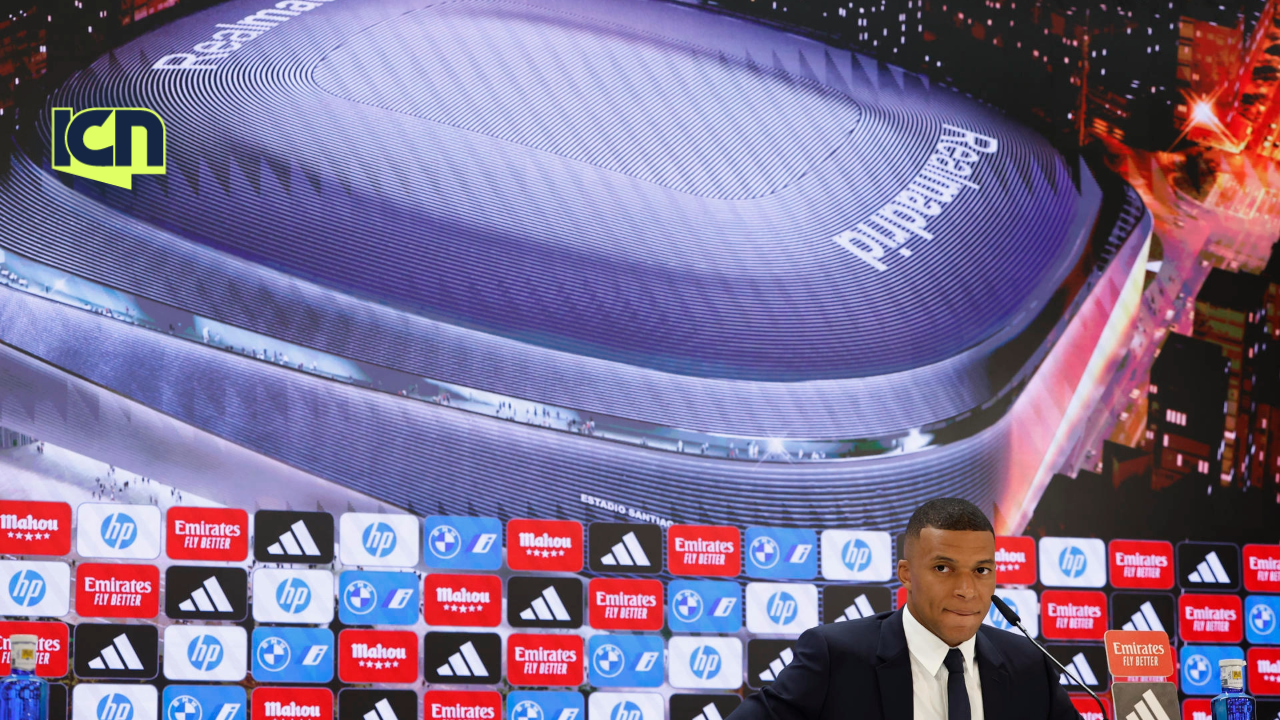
(950, 576)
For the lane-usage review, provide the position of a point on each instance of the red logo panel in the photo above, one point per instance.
(704, 550)
(1073, 614)
(51, 646)
(1015, 560)
(292, 703)
(1145, 564)
(1264, 670)
(378, 656)
(196, 533)
(469, 704)
(1197, 709)
(1262, 568)
(1210, 618)
(544, 545)
(462, 600)
(615, 604)
(544, 660)
(28, 527)
(117, 591)
(1087, 708)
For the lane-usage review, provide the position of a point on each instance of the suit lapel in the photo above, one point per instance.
(993, 676)
(894, 670)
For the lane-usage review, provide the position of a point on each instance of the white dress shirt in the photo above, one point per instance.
(929, 676)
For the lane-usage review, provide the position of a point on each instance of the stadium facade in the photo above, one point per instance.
(454, 255)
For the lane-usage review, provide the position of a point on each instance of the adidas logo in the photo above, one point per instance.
(627, 552)
(1210, 570)
(464, 663)
(296, 541)
(547, 607)
(1148, 708)
(381, 711)
(860, 608)
(776, 665)
(119, 655)
(207, 598)
(1144, 619)
(709, 712)
(1080, 666)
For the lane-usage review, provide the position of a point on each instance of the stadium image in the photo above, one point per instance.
(558, 258)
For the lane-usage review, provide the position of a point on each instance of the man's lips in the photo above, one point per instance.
(964, 613)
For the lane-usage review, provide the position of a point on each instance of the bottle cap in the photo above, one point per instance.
(1232, 673)
(22, 649)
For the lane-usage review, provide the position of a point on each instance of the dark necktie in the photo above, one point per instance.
(957, 693)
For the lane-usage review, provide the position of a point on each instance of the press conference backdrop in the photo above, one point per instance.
(553, 360)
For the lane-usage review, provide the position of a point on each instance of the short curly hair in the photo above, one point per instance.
(948, 514)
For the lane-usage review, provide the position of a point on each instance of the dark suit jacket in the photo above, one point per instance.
(860, 669)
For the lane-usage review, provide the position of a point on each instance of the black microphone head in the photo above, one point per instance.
(1005, 610)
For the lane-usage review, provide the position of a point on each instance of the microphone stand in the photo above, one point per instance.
(1016, 621)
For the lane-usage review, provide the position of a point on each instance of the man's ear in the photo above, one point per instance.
(904, 574)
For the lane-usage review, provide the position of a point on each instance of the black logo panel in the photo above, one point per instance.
(377, 704)
(123, 652)
(57, 701)
(625, 547)
(544, 602)
(285, 536)
(703, 707)
(1208, 566)
(1088, 663)
(1267, 710)
(462, 658)
(205, 593)
(1144, 611)
(851, 602)
(767, 658)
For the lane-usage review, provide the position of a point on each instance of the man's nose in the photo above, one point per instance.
(966, 588)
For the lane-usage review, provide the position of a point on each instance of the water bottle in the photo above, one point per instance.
(23, 696)
(1234, 703)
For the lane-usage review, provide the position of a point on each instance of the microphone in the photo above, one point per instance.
(1016, 621)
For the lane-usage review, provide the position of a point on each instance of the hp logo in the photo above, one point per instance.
(378, 539)
(626, 710)
(26, 588)
(444, 541)
(856, 555)
(997, 619)
(782, 608)
(687, 605)
(527, 710)
(1198, 671)
(119, 531)
(115, 706)
(183, 707)
(273, 654)
(360, 597)
(1263, 619)
(705, 662)
(204, 653)
(608, 660)
(293, 595)
(764, 552)
(1072, 561)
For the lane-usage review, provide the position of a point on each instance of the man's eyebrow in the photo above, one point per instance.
(944, 558)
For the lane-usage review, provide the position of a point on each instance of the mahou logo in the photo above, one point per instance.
(462, 600)
(117, 591)
(35, 528)
(544, 545)
(51, 646)
(704, 550)
(1262, 568)
(625, 604)
(1264, 671)
(544, 660)
(1210, 618)
(1073, 614)
(378, 656)
(1141, 564)
(292, 703)
(1015, 560)
(196, 533)
(462, 705)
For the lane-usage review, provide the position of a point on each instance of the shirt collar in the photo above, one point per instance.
(929, 649)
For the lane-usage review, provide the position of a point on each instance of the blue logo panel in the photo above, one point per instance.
(625, 660)
(203, 702)
(292, 655)
(371, 597)
(709, 606)
(1200, 674)
(782, 553)
(545, 705)
(455, 542)
(1262, 619)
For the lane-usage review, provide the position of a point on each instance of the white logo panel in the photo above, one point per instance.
(1024, 603)
(624, 706)
(116, 530)
(705, 662)
(781, 608)
(1073, 562)
(105, 701)
(301, 597)
(857, 555)
(378, 540)
(34, 588)
(206, 652)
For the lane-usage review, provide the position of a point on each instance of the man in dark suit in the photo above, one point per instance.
(931, 660)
